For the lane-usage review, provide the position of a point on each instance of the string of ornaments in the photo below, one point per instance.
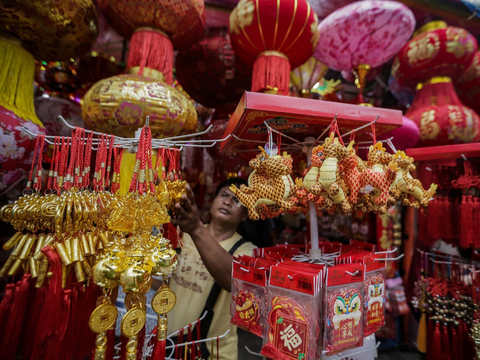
(77, 241)
(337, 179)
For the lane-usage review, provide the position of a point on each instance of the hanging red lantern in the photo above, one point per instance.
(261, 38)
(468, 86)
(210, 71)
(435, 50)
(155, 28)
(435, 55)
(441, 117)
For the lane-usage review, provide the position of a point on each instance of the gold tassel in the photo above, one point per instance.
(422, 334)
(17, 74)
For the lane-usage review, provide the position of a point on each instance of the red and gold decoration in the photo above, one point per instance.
(210, 71)
(120, 104)
(430, 60)
(155, 28)
(441, 117)
(274, 37)
(435, 50)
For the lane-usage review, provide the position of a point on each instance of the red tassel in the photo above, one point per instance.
(454, 220)
(454, 345)
(6, 308)
(448, 232)
(434, 215)
(170, 233)
(151, 49)
(15, 320)
(33, 324)
(467, 343)
(476, 222)
(446, 352)
(52, 303)
(140, 343)
(110, 344)
(430, 331)
(465, 220)
(436, 349)
(159, 350)
(271, 72)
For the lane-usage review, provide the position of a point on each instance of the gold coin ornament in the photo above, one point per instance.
(135, 300)
(133, 322)
(164, 300)
(103, 318)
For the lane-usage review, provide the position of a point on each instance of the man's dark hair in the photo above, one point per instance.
(232, 181)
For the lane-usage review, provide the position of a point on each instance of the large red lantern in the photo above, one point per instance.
(468, 86)
(441, 117)
(210, 72)
(435, 50)
(274, 36)
(155, 28)
(431, 59)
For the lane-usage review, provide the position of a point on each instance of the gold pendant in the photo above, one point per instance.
(103, 317)
(164, 300)
(133, 322)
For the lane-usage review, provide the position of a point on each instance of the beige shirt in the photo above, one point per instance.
(192, 284)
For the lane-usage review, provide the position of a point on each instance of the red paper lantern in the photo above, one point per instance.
(441, 117)
(181, 21)
(16, 148)
(435, 50)
(210, 72)
(274, 36)
(155, 28)
(468, 87)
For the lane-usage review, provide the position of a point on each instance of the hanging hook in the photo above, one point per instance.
(361, 127)
(387, 252)
(278, 132)
(327, 128)
(390, 259)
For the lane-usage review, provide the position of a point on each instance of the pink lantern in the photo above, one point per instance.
(404, 137)
(365, 32)
(364, 35)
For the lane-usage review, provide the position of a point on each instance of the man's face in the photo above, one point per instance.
(225, 209)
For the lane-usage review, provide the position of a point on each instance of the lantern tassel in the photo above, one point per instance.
(152, 49)
(271, 73)
(17, 73)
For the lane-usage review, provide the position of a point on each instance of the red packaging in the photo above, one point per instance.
(344, 295)
(375, 297)
(293, 323)
(248, 307)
